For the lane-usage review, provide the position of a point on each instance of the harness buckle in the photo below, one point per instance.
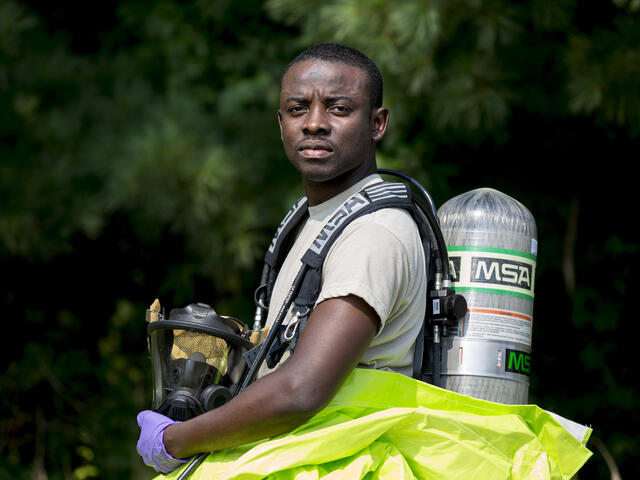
(292, 326)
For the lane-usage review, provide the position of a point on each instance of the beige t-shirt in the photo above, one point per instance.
(379, 258)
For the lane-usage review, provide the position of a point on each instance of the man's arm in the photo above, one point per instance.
(337, 334)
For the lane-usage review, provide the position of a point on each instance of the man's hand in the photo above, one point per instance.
(151, 444)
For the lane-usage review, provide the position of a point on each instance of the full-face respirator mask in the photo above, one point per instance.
(196, 358)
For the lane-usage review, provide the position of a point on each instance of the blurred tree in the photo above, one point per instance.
(140, 157)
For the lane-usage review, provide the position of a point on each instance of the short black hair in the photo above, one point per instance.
(335, 52)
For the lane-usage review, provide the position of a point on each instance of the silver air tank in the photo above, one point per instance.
(492, 244)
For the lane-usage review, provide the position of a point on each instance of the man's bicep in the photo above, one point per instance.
(337, 334)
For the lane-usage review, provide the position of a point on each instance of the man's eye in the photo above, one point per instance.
(340, 109)
(296, 109)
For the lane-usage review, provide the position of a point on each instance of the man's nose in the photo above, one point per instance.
(316, 121)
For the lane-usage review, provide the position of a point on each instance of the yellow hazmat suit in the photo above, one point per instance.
(383, 425)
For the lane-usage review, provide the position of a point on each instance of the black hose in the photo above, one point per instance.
(416, 184)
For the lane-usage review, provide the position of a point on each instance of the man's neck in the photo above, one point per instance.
(320, 192)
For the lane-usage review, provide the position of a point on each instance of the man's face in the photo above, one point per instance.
(328, 127)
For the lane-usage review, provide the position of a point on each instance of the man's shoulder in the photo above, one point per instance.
(388, 233)
(396, 221)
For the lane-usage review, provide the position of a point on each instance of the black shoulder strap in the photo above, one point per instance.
(277, 252)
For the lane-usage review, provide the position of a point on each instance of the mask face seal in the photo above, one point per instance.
(196, 358)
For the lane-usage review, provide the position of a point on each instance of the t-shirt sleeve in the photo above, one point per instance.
(368, 260)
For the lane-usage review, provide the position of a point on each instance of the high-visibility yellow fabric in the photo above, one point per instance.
(383, 425)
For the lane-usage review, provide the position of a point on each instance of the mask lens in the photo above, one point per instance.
(197, 360)
(213, 351)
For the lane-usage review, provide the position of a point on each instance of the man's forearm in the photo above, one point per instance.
(266, 408)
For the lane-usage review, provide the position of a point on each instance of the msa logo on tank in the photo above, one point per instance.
(518, 362)
(493, 270)
(501, 272)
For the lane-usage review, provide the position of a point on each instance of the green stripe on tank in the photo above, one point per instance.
(491, 290)
(515, 253)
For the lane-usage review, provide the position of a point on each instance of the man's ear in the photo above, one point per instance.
(380, 120)
(280, 123)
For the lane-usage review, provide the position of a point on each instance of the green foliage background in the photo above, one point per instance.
(140, 158)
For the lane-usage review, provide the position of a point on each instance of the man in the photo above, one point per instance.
(372, 299)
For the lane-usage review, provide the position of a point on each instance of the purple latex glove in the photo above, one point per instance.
(151, 445)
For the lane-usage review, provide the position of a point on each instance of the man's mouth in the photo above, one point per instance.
(315, 148)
